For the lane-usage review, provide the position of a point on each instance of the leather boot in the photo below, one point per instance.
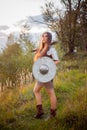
(39, 111)
(52, 113)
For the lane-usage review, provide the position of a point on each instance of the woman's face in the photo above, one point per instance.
(45, 38)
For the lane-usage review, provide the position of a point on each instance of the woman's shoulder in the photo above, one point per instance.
(52, 49)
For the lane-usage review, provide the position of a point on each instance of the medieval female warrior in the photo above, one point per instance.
(45, 49)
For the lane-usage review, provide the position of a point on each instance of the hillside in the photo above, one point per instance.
(17, 106)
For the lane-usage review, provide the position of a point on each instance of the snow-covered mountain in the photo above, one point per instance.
(36, 27)
(3, 40)
(35, 23)
(35, 20)
(4, 27)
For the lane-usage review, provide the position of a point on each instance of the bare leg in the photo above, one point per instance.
(37, 93)
(51, 93)
(53, 100)
(39, 107)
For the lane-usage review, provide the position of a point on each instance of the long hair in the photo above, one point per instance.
(41, 46)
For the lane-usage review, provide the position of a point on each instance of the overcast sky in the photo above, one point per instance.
(12, 11)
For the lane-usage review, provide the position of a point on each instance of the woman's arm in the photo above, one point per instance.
(41, 53)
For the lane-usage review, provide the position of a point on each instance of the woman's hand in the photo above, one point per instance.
(56, 62)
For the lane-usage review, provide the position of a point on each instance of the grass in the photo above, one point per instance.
(17, 106)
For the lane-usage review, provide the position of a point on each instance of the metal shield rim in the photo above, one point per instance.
(52, 69)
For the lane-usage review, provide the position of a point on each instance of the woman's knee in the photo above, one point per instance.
(36, 89)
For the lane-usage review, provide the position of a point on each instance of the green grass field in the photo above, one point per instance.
(18, 106)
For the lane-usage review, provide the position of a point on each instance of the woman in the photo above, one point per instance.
(45, 49)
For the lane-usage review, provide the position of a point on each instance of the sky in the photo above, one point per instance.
(12, 11)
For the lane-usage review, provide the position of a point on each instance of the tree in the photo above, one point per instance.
(83, 24)
(65, 24)
(10, 64)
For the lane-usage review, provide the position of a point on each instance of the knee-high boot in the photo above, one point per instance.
(52, 112)
(39, 111)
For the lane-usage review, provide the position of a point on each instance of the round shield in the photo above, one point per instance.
(44, 69)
